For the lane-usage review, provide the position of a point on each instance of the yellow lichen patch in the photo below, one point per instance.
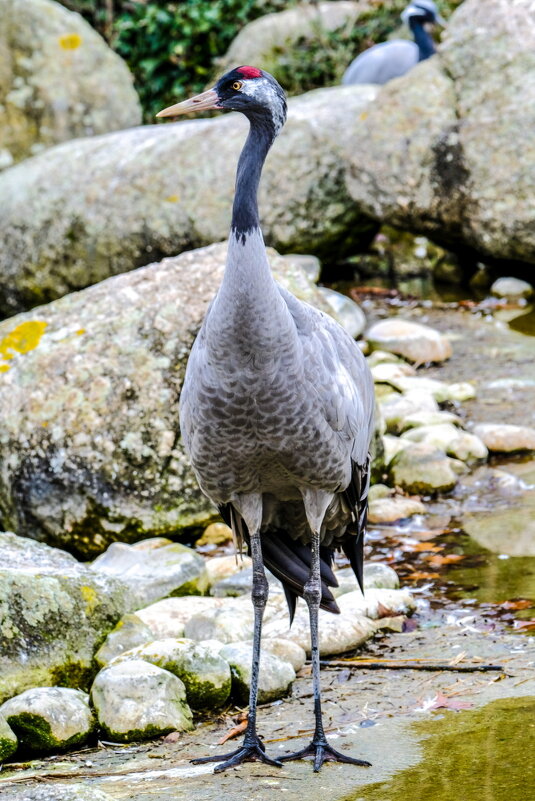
(23, 338)
(70, 41)
(172, 199)
(90, 597)
(80, 331)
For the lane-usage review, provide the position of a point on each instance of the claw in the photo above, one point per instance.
(248, 752)
(323, 752)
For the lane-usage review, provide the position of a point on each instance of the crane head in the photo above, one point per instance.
(424, 10)
(247, 89)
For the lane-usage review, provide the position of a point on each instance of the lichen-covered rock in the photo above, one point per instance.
(414, 341)
(229, 623)
(285, 649)
(97, 456)
(379, 576)
(136, 700)
(429, 419)
(505, 437)
(168, 618)
(269, 38)
(46, 719)
(421, 158)
(8, 740)
(347, 312)
(59, 79)
(423, 469)
(206, 675)
(72, 217)
(129, 632)
(168, 568)
(54, 612)
(215, 534)
(275, 675)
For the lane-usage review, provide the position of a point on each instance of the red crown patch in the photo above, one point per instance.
(249, 72)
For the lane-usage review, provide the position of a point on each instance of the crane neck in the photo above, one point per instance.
(245, 209)
(423, 39)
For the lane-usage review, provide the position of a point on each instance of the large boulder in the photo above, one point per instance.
(439, 151)
(266, 40)
(54, 612)
(90, 450)
(96, 207)
(58, 80)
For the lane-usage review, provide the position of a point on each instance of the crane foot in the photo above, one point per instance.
(251, 750)
(322, 752)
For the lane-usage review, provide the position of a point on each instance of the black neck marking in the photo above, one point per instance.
(424, 40)
(245, 209)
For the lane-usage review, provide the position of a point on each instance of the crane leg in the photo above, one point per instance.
(318, 748)
(252, 747)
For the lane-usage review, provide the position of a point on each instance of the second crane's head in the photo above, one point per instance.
(247, 89)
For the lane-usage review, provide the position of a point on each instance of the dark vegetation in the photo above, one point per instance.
(172, 47)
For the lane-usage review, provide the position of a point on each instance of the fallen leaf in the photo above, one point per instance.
(436, 560)
(234, 732)
(419, 546)
(524, 625)
(522, 603)
(458, 658)
(441, 701)
(421, 576)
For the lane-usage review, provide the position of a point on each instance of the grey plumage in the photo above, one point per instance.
(276, 411)
(387, 60)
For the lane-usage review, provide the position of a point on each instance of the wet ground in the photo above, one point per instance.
(431, 733)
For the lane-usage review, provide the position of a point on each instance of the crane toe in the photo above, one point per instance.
(321, 751)
(251, 750)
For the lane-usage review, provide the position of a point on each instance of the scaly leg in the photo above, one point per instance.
(252, 747)
(318, 748)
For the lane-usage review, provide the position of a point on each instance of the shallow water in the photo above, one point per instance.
(476, 756)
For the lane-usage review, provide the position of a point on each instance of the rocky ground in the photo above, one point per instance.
(472, 583)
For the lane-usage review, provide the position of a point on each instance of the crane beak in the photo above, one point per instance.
(203, 102)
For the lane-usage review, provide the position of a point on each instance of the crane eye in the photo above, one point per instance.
(237, 85)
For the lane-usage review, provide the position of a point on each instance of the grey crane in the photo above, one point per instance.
(382, 62)
(276, 413)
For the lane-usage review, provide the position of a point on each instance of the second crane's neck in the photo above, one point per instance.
(423, 39)
(245, 218)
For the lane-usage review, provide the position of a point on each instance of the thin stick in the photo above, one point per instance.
(409, 666)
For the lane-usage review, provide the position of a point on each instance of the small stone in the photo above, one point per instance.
(392, 446)
(153, 573)
(8, 740)
(429, 419)
(337, 633)
(379, 576)
(460, 391)
(206, 675)
(391, 372)
(416, 342)
(287, 650)
(383, 356)
(396, 408)
(129, 632)
(345, 311)
(230, 623)
(509, 287)
(388, 510)
(450, 439)
(311, 265)
(377, 603)
(505, 438)
(275, 676)
(378, 491)
(215, 534)
(137, 700)
(46, 719)
(221, 567)
(422, 469)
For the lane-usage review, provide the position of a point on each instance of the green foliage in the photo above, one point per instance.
(171, 46)
(321, 60)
